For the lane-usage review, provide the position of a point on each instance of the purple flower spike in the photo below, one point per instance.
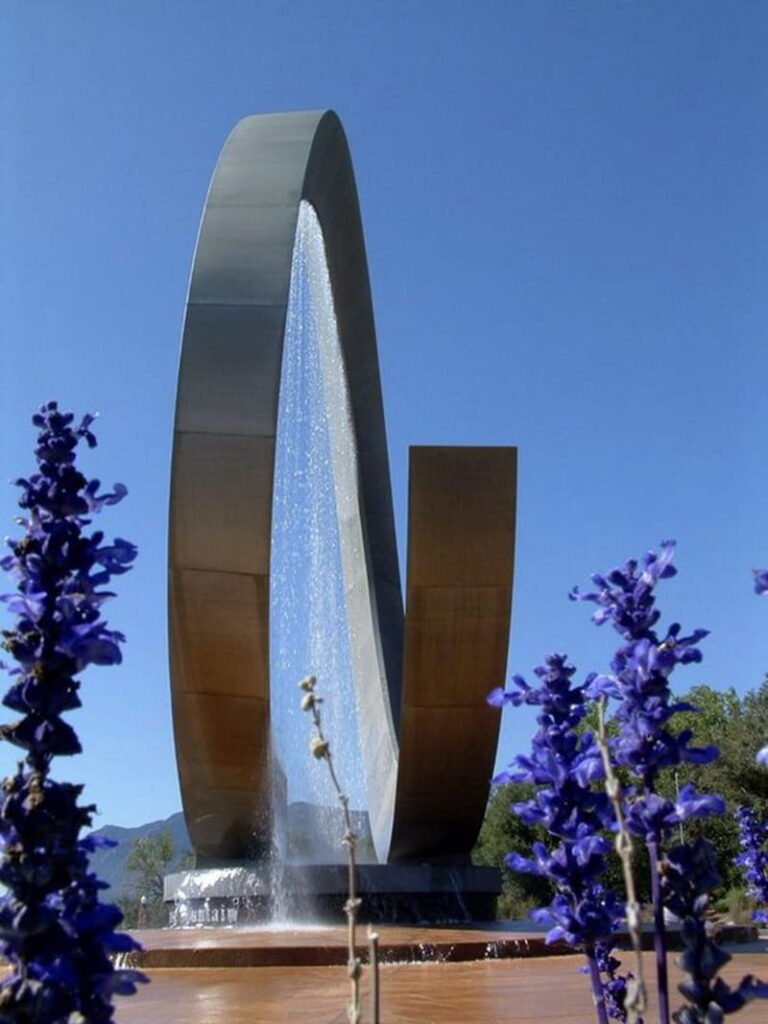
(641, 671)
(624, 596)
(688, 879)
(55, 934)
(653, 815)
(753, 838)
(761, 587)
(640, 682)
(563, 765)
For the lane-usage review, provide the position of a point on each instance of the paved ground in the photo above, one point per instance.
(543, 990)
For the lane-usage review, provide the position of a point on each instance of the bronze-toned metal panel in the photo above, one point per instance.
(461, 516)
(221, 725)
(463, 633)
(219, 614)
(461, 535)
(229, 825)
(221, 497)
(223, 790)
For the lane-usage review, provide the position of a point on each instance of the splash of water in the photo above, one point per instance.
(314, 487)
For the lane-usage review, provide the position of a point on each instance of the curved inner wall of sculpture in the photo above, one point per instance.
(426, 737)
(317, 560)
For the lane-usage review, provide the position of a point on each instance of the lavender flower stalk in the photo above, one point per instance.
(688, 878)
(56, 935)
(640, 682)
(563, 765)
(753, 838)
(761, 587)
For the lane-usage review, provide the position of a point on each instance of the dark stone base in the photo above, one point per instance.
(389, 894)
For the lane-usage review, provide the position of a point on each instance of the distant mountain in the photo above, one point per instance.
(109, 864)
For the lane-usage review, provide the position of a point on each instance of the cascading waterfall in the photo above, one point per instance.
(315, 487)
(315, 484)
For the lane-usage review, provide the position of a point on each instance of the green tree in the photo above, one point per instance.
(148, 861)
(736, 726)
(745, 735)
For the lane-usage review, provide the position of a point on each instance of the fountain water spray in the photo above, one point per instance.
(315, 481)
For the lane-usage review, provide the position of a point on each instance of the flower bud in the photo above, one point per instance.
(318, 748)
(307, 683)
(354, 968)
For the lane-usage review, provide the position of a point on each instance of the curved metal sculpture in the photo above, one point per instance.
(420, 686)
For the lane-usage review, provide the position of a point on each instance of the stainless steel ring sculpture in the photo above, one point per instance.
(428, 739)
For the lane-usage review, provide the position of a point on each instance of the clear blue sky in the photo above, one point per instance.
(566, 215)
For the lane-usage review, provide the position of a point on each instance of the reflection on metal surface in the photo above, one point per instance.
(276, 172)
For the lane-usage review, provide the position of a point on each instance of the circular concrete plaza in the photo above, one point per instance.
(520, 989)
